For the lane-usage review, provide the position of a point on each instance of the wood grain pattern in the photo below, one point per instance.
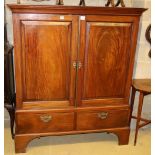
(46, 104)
(75, 10)
(46, 51)
(105, 102)
(22, 140)
(31, 122)
(62, 108)
(21, 143)
(92, 120)
(132, 55)
(17, 61)
(107, 55)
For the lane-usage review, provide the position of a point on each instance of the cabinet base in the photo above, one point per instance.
(22, 140)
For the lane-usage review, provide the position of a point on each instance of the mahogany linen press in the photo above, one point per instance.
(73, 70)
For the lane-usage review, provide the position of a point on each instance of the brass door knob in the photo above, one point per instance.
(79, 65)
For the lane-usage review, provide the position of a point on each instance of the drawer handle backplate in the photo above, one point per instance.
(103, 115)
(46, 118)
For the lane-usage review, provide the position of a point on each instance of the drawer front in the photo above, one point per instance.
(42, 122)
(104, 119)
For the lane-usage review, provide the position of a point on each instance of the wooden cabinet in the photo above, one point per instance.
(73, 70)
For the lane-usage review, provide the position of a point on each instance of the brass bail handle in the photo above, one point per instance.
(103, 115)
(46, 118)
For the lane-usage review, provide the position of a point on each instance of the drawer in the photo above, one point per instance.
(44, 121)
(102, 119)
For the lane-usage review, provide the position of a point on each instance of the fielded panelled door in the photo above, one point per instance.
(76, 59)
(47, 53)
(106, 56)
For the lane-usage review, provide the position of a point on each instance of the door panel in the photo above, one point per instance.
(107, 59)
(105, 55)
(48, 51)
(47, 57)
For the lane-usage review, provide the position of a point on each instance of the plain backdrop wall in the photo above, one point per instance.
(142, 68)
